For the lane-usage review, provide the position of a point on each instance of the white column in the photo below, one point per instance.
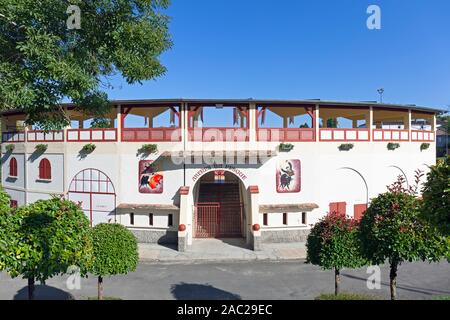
(252, 114)
(317, 122)
(184, 226)
(409, 124)
(253, 221)
(370, 123)
(119, 123)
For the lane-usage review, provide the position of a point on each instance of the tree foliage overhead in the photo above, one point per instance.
(42, 61)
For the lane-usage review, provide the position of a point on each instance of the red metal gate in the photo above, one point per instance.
(218, 220)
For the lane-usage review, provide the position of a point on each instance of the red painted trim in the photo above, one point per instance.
(184, 190)
(53, 132)
(12, 133)
(423, 132)
(166, 133)
(283, 133)
(253, 189)
(310, 111)
(392, 131)
(333, 130)
(103, 130)
(223, 130)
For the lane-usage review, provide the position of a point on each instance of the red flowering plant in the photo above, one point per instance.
(392, 230)
(333, 244)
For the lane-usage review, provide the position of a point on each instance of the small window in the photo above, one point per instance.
(265, 219)
(45, 170)
(13, 203)
(285, 218)
(13, 167)
(132, 218)
(303, 217)
(170, 221)
(150, 219)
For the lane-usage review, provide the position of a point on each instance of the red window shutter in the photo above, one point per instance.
(13, 167)
(338, 207)
(359, 210)
(342, 208)
(45, 170)
(333, 207)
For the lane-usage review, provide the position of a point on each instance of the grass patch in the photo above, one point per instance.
(346, 296)
(441, 298)
(104, 298)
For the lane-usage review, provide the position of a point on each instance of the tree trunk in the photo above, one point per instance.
(100, 288)
(31, 288)
(393, 280)
(337, 281)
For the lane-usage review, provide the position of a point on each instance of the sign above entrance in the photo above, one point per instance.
(215, 168)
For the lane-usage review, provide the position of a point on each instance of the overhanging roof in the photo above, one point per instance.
(295, 207)
(273, 102)
(161, 207)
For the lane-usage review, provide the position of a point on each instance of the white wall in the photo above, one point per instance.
(56, 184)
(19, 181)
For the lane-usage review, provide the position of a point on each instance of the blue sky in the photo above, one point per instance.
(295, 49)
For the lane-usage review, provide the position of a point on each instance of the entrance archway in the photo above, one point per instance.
(95, 191)
(219, 206)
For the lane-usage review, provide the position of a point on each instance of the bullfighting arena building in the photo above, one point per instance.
(262, 170)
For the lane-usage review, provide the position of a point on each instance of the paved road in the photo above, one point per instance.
(249, 280)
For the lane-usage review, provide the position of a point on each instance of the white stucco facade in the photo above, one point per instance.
(326, 175)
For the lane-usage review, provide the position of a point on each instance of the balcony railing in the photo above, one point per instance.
(390, 135)
(284, 134)
(92, 135)
(42, 136)
(151, 135)
(421, 135)
(333, 134)
(219, 134)
(13, 136)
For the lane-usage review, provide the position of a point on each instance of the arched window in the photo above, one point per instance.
(45, 169)
(13, 167)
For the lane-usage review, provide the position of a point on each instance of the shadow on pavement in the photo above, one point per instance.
(235, 242)
(404, 287)
(43, 292)
(194, 291)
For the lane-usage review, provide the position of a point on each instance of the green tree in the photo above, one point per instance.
(436, 196)
(115, 252)
(43, 61)
(101, 123)
(445, 119)
(44, 239)
(332, 123)
(5, 205)
(333, 244)
(392, 229)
